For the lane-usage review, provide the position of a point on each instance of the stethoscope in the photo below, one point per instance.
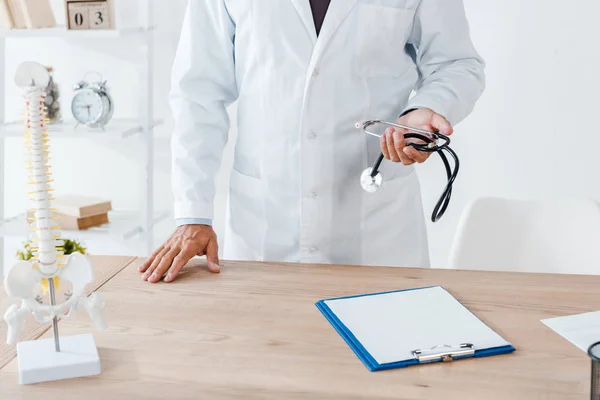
(371, 179)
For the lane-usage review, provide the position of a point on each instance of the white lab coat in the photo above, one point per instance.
(295, 193)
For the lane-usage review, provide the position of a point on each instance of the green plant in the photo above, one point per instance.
(70, 246)
(73, 246)
(25, 253)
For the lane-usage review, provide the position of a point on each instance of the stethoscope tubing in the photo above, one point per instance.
(430, 146)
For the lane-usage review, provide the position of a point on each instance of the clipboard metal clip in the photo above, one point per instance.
(444, 352)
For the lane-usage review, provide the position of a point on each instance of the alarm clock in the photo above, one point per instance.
(92, 104)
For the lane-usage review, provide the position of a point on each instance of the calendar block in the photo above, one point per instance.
(79, 17)
(99, 16)
(86, 14)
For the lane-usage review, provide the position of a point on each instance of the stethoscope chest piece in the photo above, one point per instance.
(369, 183)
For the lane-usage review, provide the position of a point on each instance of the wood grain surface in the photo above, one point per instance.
(104, 269)
(253, 332)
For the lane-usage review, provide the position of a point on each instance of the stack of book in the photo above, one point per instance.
(80, 212)
(26, 14)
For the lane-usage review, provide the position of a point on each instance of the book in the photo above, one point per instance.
(68, 222)
(80, 206)
(6, 21)
(37, 14)
(73, 223)
(18, 15)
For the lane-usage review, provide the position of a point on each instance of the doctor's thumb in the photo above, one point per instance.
(212, 256)
(441, 124)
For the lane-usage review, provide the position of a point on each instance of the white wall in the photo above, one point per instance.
(530, 136)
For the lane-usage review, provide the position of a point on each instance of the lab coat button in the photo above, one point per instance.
(315, 73)
(312, 195)
(311, 135)
(312, 250)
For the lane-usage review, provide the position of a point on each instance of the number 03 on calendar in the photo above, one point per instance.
(86, 14)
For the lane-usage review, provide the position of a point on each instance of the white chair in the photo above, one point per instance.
(557, 236)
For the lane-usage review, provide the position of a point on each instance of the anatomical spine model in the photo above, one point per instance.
(27, 280)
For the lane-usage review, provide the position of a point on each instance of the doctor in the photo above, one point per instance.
(303, 72)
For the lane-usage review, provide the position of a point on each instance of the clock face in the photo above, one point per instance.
(87, 107)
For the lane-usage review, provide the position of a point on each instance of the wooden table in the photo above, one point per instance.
(253, 331)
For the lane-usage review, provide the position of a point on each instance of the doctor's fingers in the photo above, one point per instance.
(155, 261)
(212, 256)
(388, 146)
(384, 147)
(163, 265)
(441, 124)
(399, 144)
(150, 259)
(187, 253)
(184, 256)
(414, 154)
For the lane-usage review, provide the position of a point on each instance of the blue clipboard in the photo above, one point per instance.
(444, 354)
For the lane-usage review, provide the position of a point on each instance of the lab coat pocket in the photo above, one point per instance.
(246, 214)
(394, 229)
(382, 33)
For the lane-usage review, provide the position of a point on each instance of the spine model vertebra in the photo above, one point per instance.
(45, 243)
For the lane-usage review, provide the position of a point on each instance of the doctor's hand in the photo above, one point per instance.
(393, 143)
(187, 241)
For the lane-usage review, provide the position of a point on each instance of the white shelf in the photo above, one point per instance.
(62, 32)
(123, 226)
(116, 128)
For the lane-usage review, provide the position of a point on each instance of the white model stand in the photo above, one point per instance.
(57, 358)
(40, 362)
